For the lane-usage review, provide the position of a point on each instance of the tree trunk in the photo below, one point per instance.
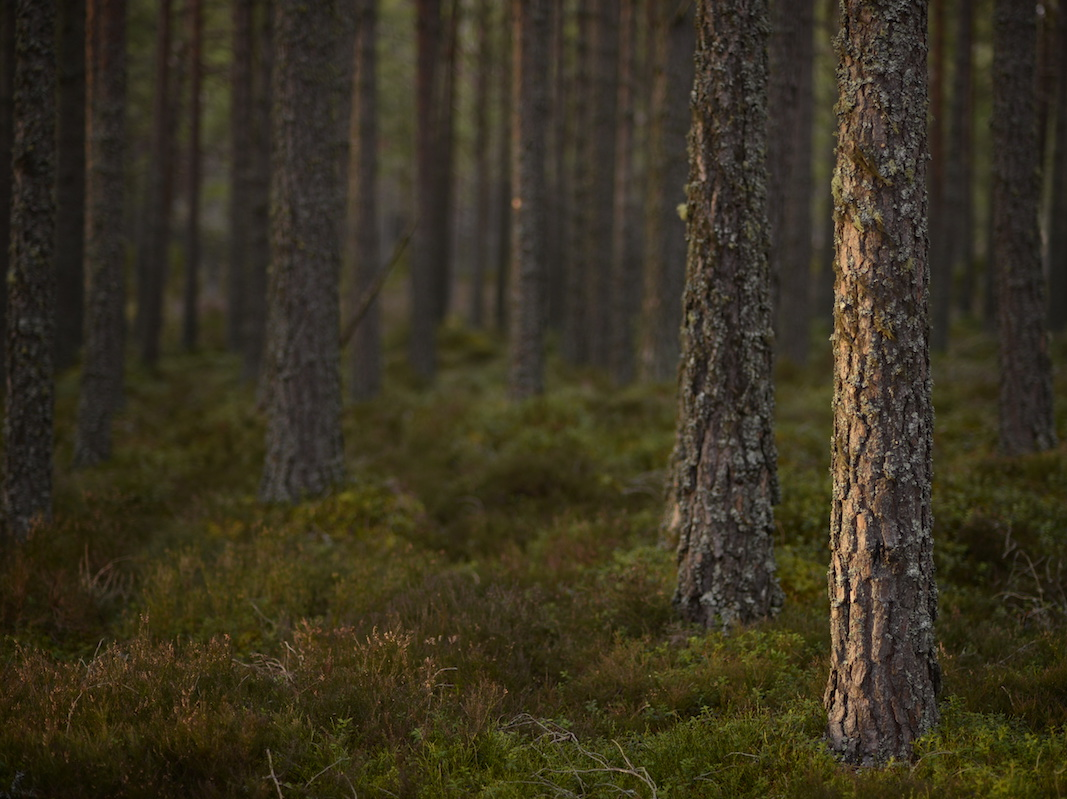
(31, 278)
(789, 153)
(1057, 247)
(254, 329)
(70, 184)
(940, 265)
(190, 315)
(363, 182)
(502, 258)
(884, 674)
(529, 196)
(103, 362)
(304, 450)
(664, 277)
(153, 255)
(1027, 423)
(959, 179)
(482, 180)
(724, 472)
(7, 129)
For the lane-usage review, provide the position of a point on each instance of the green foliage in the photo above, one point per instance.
(484, 609)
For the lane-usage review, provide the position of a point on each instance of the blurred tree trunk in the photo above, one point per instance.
(1057, 248)
(254, 328)
(103, 361)
(365, 248)
(724, 469)
(884, 676)
(669, 115)
(190, 315)
(482, 178)
(70, 184)
(959, 179)
(312, 86)
(790, 187)
(241, 155)
(502, 259)
(940, 265)
(625, 268)
(153, 251)
(1027, 423)
(558, 205)
(529, 134)
(7, 129)
(31, 279)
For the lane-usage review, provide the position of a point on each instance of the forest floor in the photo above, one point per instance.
(483, 608)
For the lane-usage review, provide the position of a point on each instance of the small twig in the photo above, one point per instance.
(273, 776)
(375, 288)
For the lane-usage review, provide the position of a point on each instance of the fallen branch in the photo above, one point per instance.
(371, 294)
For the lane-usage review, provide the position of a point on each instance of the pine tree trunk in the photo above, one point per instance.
(190, 312)
(502, 257)
(254, 328)
(884, 674)
(305, 455)
(1057, 247)
(940, 265)
(959, 180)
(31, 278)
(70, 184)
(575, 327)
(529, 134)
(7, 129)
(103, 362)
(366, 250)
(1027, 423)
(724, 471)
(482, 180)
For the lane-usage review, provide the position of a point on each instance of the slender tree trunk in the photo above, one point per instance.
(959, 179)
(31, 278)
(304, 449)
(665, 245)
(190, 316)
(529, 133)
(789, 154)
(1057, 247)
(241, 137)
(7, 129)
(103, 362)
(254, 328)
(558, 207)
(1027, 423)
(365, 248)
(724, 473)
(884, 676)
(502, 260)
(482, 179)
(940, 265)
(70, 184)
(153, 256)
(575, 326)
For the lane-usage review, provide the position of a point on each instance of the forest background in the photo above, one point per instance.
(483, 606)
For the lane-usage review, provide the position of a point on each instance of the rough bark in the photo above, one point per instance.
(70, 183)
(31, 279)
(304, 451)
(363, 181)
(1057, 246)
(724, 468)
(103, 361)
(529, 197)
(1027, 423)
(7, 88)
(664, 267)
(789, 154)
(959, 179)
(884, 675)
(191, 295)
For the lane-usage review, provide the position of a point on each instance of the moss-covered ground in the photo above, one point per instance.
(483, 608)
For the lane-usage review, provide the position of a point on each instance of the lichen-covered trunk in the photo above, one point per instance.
(304, 454)
(724, 469)
(103, 362)
(884, 674)
(1026, 416)
(529, 197)
(31, 281)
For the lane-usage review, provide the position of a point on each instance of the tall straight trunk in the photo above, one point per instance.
(7, 129)
(304, 449)
(31, 280)
(556, 166)
(240, 170)
(190, 313)
(940, 265)
(1027, 423)
(884, 675)
(664, 277)
(103, 362)
(482, 179)
(789, 154)
(365, 248)
(625, 268)
(1057, 246)
(502, 257)
(254, 328)
(959, 167)
(70, 184)
(724, 479)
(529, 133)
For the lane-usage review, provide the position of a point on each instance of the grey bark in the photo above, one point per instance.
(884, 675)
(724, 468)
(103, 362)
(1027, 423)
(1057, 248)
(191, 295)
(31, 280)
